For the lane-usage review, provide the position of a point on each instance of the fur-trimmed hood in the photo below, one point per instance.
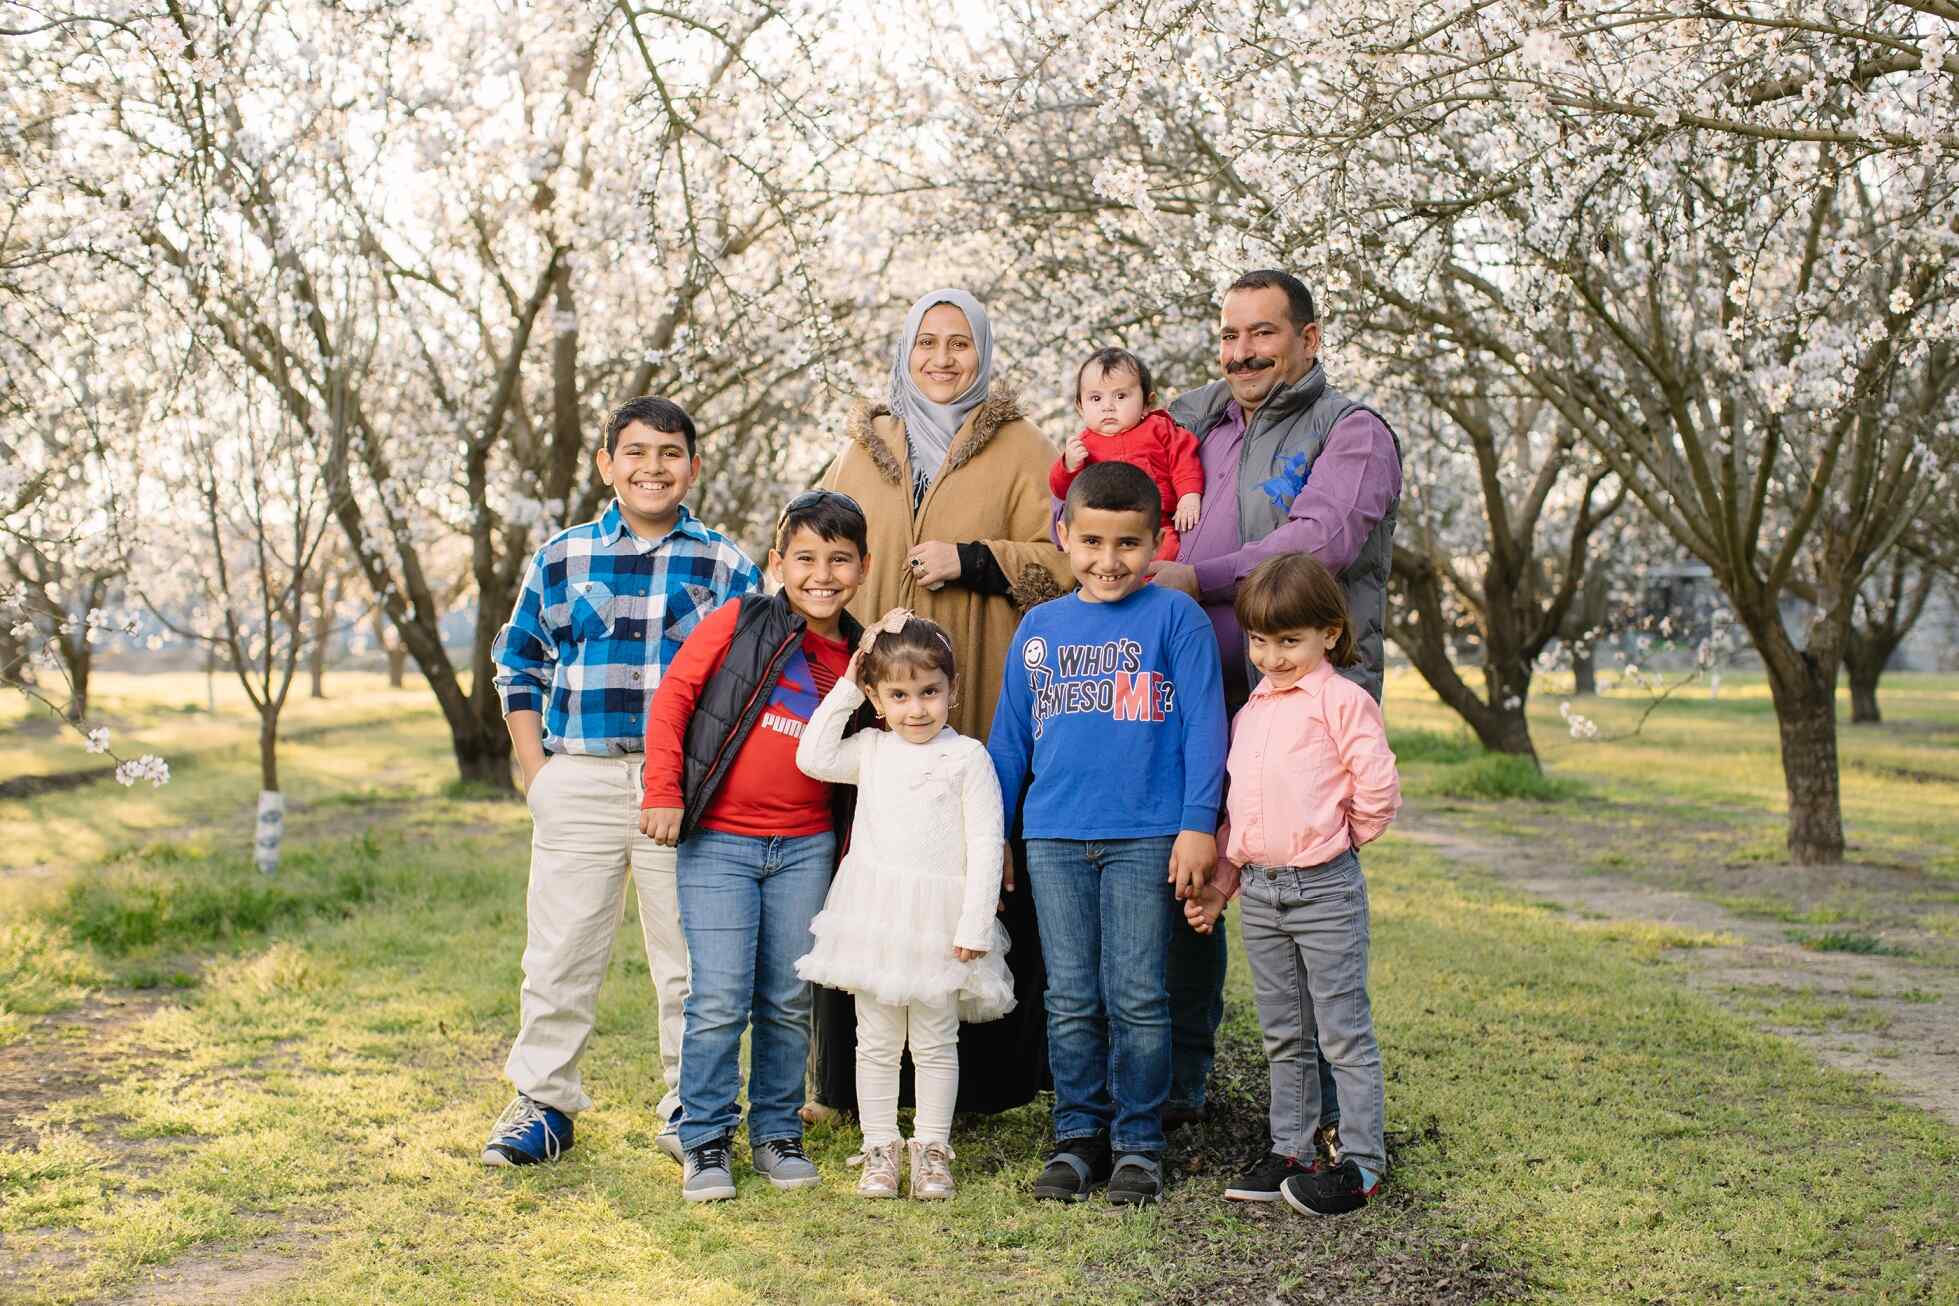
(975, 433)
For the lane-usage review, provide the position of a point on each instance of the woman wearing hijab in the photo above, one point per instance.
(953, 480)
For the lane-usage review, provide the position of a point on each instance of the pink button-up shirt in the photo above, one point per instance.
(1311, 776)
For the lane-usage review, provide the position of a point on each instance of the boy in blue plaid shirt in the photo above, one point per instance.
(604, 608)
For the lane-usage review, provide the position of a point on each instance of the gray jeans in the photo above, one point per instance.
(1306, 936)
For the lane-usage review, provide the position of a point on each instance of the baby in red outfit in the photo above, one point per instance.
(1122, 424)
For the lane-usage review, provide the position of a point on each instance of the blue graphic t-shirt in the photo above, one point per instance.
(1112, 717)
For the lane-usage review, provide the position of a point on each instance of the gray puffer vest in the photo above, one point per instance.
(1285, 437)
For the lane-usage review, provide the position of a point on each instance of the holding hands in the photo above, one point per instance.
(1202, 909)
(1191, 860)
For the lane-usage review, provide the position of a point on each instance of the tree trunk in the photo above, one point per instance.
(268, 751)
(326, 598)
(1863, 692)
(1803, 686)
(1584, 673)
(1498, 728)
(80, 657)
(397, 652)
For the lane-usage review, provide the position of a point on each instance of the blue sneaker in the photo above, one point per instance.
(526, 1133)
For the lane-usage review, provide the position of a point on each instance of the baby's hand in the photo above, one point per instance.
(1076, 453)
(1202, 909)
(969, 954)
(1185, 518)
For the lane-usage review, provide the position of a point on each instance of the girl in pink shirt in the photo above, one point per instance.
(1312, 779)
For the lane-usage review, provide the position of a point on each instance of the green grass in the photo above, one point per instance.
(128, 906)
(1846, 941)
(1496, 777)
(328, 1057)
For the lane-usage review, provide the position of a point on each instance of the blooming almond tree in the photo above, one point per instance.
(1716, 244)
(1496, 538)
(449, 239)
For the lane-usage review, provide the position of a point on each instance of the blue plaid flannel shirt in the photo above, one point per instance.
(601, 614)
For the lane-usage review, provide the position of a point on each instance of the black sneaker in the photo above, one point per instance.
(1076, 1167)
(1328, 1192)
(1326, 1147)
(1261, 1182)
(1137, 1180)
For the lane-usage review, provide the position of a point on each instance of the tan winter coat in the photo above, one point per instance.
(993, 487)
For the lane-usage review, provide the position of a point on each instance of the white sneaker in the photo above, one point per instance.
(931, 1171)
(880, 1177)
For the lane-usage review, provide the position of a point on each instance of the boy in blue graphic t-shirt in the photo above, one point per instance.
(1113, 702)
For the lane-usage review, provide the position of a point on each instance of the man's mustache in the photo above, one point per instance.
(1252, 364)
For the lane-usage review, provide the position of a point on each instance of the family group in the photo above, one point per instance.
(973, 783)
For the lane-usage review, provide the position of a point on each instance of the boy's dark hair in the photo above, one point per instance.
(922, 644)
(660, 414)
(1114, 487)
(1115, 360)
(831, 515)
(1295, 591)
(1299, 300)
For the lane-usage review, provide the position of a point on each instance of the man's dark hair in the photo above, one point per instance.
(831, 515)
(1299, 300)
(1114, 487)
(660, 414)
(1115, 360)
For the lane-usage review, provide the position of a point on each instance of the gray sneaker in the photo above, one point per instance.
(708, 1176)
(784, 1163)
(668, 1140)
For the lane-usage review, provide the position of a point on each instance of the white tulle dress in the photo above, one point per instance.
(922, 872)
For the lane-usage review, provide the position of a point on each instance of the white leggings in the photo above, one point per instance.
(881, 1036)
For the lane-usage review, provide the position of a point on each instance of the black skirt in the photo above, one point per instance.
(1002, 1063)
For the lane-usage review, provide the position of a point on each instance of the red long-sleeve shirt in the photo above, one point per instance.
(1156, 444)
(763, 792)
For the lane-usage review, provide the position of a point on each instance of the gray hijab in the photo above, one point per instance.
(930, 427)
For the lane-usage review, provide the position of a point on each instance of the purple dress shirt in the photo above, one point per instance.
(1352, 482)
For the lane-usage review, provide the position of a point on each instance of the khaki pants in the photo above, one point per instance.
(585, 812)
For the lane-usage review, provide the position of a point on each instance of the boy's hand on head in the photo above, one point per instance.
(968, 954)
(1191, 860)
(1202, 909)
(1185, 518)
(661, 825)
(1076, 453)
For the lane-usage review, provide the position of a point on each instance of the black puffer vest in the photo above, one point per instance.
(767, 631)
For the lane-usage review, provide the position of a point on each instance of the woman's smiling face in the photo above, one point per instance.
(944, 360)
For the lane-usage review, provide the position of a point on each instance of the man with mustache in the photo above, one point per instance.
(1291, 465)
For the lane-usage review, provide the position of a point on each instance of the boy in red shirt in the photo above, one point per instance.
(756, 837)
(1123, 425)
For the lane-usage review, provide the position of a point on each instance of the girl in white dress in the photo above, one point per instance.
(909, 924)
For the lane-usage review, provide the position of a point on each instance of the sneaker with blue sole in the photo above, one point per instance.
(528, 1133)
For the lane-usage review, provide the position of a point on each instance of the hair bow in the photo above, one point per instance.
(890, 623)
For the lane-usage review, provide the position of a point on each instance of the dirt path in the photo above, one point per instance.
(1891, 1016)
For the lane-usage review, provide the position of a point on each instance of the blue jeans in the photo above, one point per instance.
(745, 906)
(1106, 913)
(1196, 977)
